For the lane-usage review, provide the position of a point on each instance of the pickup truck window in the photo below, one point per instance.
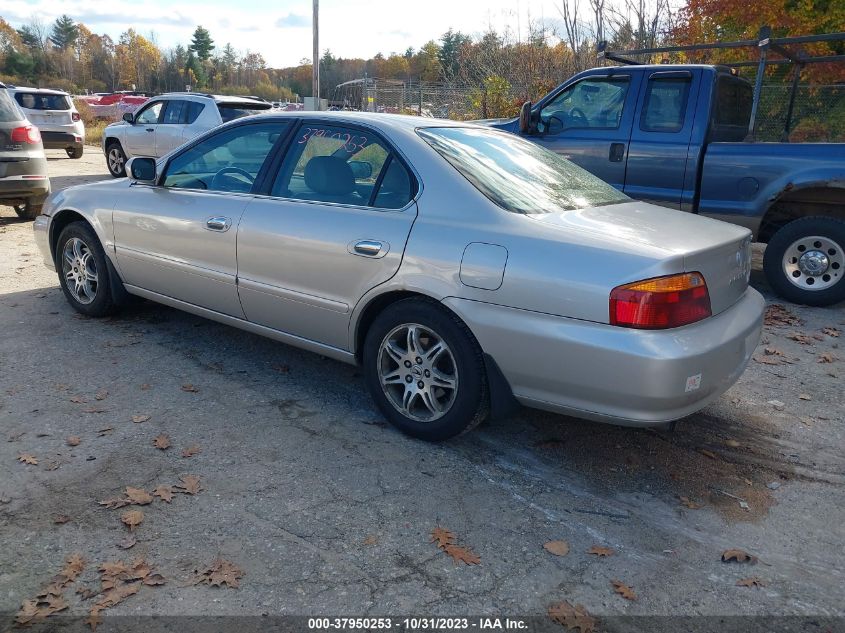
(517, 175)
(733, 102)
(594, 102)
(665, 104)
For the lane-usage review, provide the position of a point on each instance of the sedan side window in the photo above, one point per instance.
(227, 161)
(150, 114)
(342, 165)
(595, 103)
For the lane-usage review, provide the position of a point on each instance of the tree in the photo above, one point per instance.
(202, 44)
(64, 33)
(451, 43)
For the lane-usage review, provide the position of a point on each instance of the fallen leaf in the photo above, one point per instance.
(105, 431)
(50, 599)
(128, 542)
(800, 338)
(732, 443)
(826, 358)
(138, 496)
(558, 548)
(769, 360)
(161, 442)
(772, 351)
(190, 484)
(191, 451)
(102, 394)
(738, 555)
(132, 519)
(114, 504)
(189, 388)
(153, 579)
(804, 396)
(26, 458)
(370, 540)
(598, 550)
(752, 581)
(830, 331)
(220, 572)
(573, 617)
(707, 453)
(137, 419)
(462, 555)
(623, 590)
(692, 505)
(61, 519)
(146, 387)
(442, 536)
(78, 400)
(73, 440)
(777, 315)
(164, 492)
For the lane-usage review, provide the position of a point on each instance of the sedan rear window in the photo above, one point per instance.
(232, 111)
(8, 110)
(40, 101)
(519, 176)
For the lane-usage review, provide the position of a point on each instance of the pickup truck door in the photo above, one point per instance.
(589, 122)
(141, 134)
(171, 130)
(661, 157)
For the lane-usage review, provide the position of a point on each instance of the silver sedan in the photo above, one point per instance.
(467, 270)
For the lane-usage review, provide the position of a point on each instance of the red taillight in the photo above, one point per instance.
(75, 116)
(27, 134)
(662, 302)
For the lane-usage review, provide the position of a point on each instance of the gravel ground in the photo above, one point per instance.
(326, 510)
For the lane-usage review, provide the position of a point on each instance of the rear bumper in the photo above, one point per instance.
(61, 140)
(612, 374)
(23, 187)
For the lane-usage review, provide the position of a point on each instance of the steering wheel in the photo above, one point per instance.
(215, 182)
(579, 118)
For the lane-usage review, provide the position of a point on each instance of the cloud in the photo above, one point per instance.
(293, 21)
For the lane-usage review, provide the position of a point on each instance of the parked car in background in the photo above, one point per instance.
(55, 115)
(461, 266)
(23, 167)
(167, 121)
(675, 135)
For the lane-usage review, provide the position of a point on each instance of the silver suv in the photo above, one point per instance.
(165, 122)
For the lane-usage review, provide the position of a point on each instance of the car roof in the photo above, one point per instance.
(42, 91)
(217, 98)
(383, 120)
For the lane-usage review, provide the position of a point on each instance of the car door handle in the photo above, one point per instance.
(369, 248)
(151, 129)
(617, 152)
(218, 224)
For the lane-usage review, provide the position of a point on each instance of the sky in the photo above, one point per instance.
(281, 29)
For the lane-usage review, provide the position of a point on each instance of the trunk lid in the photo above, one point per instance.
(718, 250)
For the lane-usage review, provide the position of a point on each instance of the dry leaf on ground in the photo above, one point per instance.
(105, 431)
(826, 358)
(26, 458)
(831, 331)
(737, 555)
(752, 581)
(800, 338)
(370, 540)
(462, 555)
(120, 581)
(558, 548)
(61, 519)
(598, 550)
(132, 519)
(137, 419)
(777, 315)
(189, 388)
(78, 400)
(102, 394)
(146, 386)
(442, 537)
(707, 453)
(94, 410)
(190, 485)
(689, 503)
(138, 496)
(128, 542)
(164, 492)
(573, 617)
(623, 590)
(191, 451)
(50, 600)
(73, 440)
(220, 572)
(161, 442)
(804, 396)
(114, 504)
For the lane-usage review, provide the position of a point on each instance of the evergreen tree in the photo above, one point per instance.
(202, 44)
(65, 32)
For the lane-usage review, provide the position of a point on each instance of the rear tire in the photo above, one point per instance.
(805, 261)
(83, 271)
(30, 209)
(74, 152)
(413, 352)
(115, 159)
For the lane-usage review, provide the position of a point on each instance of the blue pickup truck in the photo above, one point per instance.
(676, 135)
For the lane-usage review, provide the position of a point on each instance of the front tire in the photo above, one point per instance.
(805, 261)
(115, 159)
(83, 271)
(425, 370)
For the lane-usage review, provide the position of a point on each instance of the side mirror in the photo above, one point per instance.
(142, 169)
(129, 117)
(525, 118)
(361, 169)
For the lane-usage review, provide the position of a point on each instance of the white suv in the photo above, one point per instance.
(53, 113)
(165, 122)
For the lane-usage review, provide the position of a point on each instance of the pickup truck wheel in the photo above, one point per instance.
(83, 272)
(805, 261)
(425, 370)
(116, 159)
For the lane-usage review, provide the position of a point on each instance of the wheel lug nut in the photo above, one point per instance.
(408, 378)
(420, 384)
(418, 360)
(427, 373)
(408, 364)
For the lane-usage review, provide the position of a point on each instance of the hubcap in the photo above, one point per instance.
(814, 263)
(79, 270)
(115, 160)
(418, 373)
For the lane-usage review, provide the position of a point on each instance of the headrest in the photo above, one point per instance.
(329, 175)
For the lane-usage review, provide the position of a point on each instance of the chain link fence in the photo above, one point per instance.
(818, 112)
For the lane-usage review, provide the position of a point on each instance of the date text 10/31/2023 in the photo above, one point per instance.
(416, 624)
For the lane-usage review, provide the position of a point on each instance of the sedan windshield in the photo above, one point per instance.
(519, 176)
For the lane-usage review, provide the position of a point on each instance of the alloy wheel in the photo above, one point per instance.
(80, 270)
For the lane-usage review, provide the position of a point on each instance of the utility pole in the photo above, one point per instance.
(315, 69)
